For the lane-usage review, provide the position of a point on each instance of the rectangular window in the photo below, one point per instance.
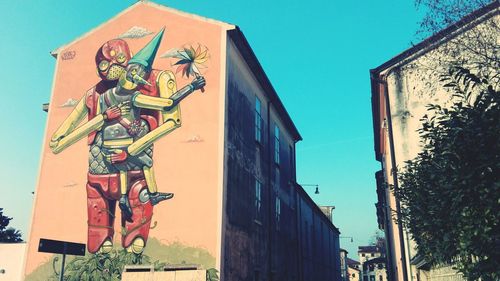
(276, 144)
(258, 199)
(258, 120)
(278, 212)
(292, 166)
(257, 275)
(277, 177)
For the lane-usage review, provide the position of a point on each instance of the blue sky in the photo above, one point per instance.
(330, 41)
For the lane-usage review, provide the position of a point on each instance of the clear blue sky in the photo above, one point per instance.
(331, 41)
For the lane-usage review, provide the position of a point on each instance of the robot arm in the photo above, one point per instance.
(69, 125)
(170, 112)
(172, 99)
(67, 134)
(147, 140)
(149, 102)
(79, 133)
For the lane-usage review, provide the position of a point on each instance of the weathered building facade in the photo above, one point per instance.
(401, 90)
(230, 162)
(273, 231)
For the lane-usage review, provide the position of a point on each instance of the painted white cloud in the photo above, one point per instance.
(69, 103)
(135, 32)
(70, 184)
(195, 138)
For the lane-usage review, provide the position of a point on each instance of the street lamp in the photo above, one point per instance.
(316, 185)
(346, 237)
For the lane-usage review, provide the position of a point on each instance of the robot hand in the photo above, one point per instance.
(117, 111)
(118, 156)
(54, 141)
(199, 83)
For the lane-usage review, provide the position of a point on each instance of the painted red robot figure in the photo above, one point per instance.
(111, 60)
(123, 123)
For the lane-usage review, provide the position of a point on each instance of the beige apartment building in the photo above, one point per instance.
(401, 88)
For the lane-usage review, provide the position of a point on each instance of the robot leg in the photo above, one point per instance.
(135, 233)
(101, 216)
(154, 196)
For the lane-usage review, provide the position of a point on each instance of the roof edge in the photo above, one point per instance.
(468, 21)
(225, 25)
(56, 51)
(316, 207)
(375, 99)
(241, 43)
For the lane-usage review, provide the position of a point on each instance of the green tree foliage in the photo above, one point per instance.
(101, 267)
(8, 234)
(439, 14)
(212, 274)
(450, 193)
(108, 267)
(475, 48)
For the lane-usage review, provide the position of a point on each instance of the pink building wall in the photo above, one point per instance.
(187, 162)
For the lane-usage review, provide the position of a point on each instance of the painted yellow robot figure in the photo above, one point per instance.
(125, 135)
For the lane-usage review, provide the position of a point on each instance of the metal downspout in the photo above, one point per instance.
(270, 192)
(394, 175)
(298, 213)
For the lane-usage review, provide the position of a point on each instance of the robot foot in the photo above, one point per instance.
(125, 207)
(137, 246)
(106, 247)
(157, 197)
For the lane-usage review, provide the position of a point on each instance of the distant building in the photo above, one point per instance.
(353, 269)
(374, 270)
(401, 89)
(343, 265)
(231, 165)
(372, 263)
(11, 261)
(366, 253)
(328, 211)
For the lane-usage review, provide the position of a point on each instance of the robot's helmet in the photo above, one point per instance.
(146, 55)
(112, 58)
(141, 64)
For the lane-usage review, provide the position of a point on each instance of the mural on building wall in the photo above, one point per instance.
(131, 107)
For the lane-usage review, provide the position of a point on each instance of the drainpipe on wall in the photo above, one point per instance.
(298, 210)
(270, 192)
(298, 213)
(394, 173)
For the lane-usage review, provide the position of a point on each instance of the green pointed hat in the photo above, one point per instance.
(146, 55)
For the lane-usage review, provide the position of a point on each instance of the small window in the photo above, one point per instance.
(276, 144)
(257, 275)
(278, 212)
(277, 177)
(258, 120)
(363, 255)
(258, 199)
